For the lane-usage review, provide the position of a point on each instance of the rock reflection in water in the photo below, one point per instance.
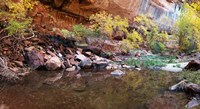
(90, 90)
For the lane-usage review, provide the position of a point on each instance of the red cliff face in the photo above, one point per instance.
(64, 13)
(126, 8)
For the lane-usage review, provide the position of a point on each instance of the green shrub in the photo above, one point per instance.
(78, 30)
(90, 33)
(16, 15)
(158, 47)
(16, 27)
(107, 24)
(66, 33)
(154, 40)
(188, 29)
(81, 31)
(132, 41)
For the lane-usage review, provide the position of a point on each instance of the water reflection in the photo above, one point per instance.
(85, 90)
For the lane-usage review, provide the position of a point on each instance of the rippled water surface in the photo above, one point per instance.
(91, 90)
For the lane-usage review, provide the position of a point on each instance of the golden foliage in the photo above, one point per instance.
(189, 29)
(132, 41)
(154, 39)
(20, 7)
(107, 23)
(17, 15)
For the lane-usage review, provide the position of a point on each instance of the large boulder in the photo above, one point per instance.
(191, 89)
(84, 61)
(54, 63)
(35, 59)
(193, 65)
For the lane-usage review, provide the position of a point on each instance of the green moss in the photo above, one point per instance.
(192, 76)
(15, 26)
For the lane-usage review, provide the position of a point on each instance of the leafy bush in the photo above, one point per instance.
(132, 41)
(107, 23)
(66, 33)
(149, 30)
(16, 15)
(188, 29)
(90, 33)
(21, 7)
(15, 26)
(81, 31)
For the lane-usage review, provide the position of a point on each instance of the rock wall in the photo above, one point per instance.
(157, 9)
(64, 13)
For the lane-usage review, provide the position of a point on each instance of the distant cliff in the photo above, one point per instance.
(160, 10)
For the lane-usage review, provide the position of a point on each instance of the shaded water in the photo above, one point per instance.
(88, 90)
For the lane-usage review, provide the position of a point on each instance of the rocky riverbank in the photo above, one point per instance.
(44, 52)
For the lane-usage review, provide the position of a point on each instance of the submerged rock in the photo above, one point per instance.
(79, 85)
(192, 103)
(166, 101)
(191, 89)
(52, 80)
(117, 73)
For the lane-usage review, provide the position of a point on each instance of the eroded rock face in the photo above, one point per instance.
(127, 8)
(124, 8)
(66, 13)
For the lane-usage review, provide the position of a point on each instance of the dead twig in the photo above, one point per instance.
(4, 37)
(31, 36)
(1, 31)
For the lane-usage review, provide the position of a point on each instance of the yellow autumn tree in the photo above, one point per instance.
(153, 38)
(188, 28)
(16, 15)
(107, 24)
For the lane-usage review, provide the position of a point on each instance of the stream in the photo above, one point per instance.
(146, 89)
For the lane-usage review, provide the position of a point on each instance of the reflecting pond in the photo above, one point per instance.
(92, 90)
